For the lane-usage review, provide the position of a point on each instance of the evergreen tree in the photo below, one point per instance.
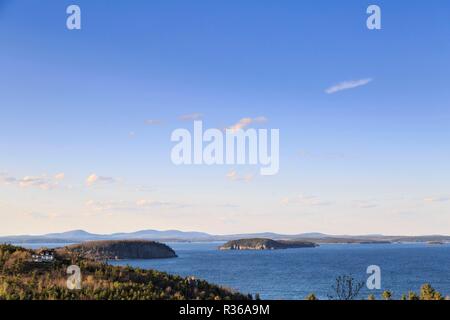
(386, 295)
(311, 297)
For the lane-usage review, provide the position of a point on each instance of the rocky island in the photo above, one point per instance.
(435, 242)
(265, 244)
(123, 249)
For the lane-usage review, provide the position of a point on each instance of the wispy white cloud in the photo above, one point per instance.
(190, 117)
(39, 182)
(153, 122)
(117, 205)
(437, 199)
(128, 206)
(305, 200)
(245, 122)
(321, 155)
(232, 175)
(366, 204)
(40, 215)
(7, 179)
(60, 176)
(145, 203)
(95, 179)
(42, 182)
(346, 85)
(227, 206)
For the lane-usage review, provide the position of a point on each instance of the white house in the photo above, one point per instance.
(43, 256)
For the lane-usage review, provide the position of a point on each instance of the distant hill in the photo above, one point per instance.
(155, 234)
(271, 235)
(77, 236)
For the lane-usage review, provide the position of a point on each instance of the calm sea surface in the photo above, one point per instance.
(294, 273)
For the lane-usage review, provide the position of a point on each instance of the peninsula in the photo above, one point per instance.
(119, 249)
(25, 276)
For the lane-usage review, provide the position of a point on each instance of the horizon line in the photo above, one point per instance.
(228, 234)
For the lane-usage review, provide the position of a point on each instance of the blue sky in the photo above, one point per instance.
(75, 104)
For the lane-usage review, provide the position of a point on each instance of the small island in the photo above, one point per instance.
(123, 249)
(265, 244)
(435, 243)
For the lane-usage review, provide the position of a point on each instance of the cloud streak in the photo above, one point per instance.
(95, 179)
(129, 206)
(40, 215)
(305, 200)
(191, 117)
(234, 176)
(153, 122)
(437, 199)
(42, 182)
(347, 85)
(245, 122)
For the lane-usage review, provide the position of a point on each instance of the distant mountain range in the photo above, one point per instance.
(77, 236)
(81, 235)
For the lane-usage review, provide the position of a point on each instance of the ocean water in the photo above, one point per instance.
(295, 273)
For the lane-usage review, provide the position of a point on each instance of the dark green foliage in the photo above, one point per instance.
(386, 295)
(22, 279)
(427, 292)
(311, 297)
(120, 249)
(345, 288)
